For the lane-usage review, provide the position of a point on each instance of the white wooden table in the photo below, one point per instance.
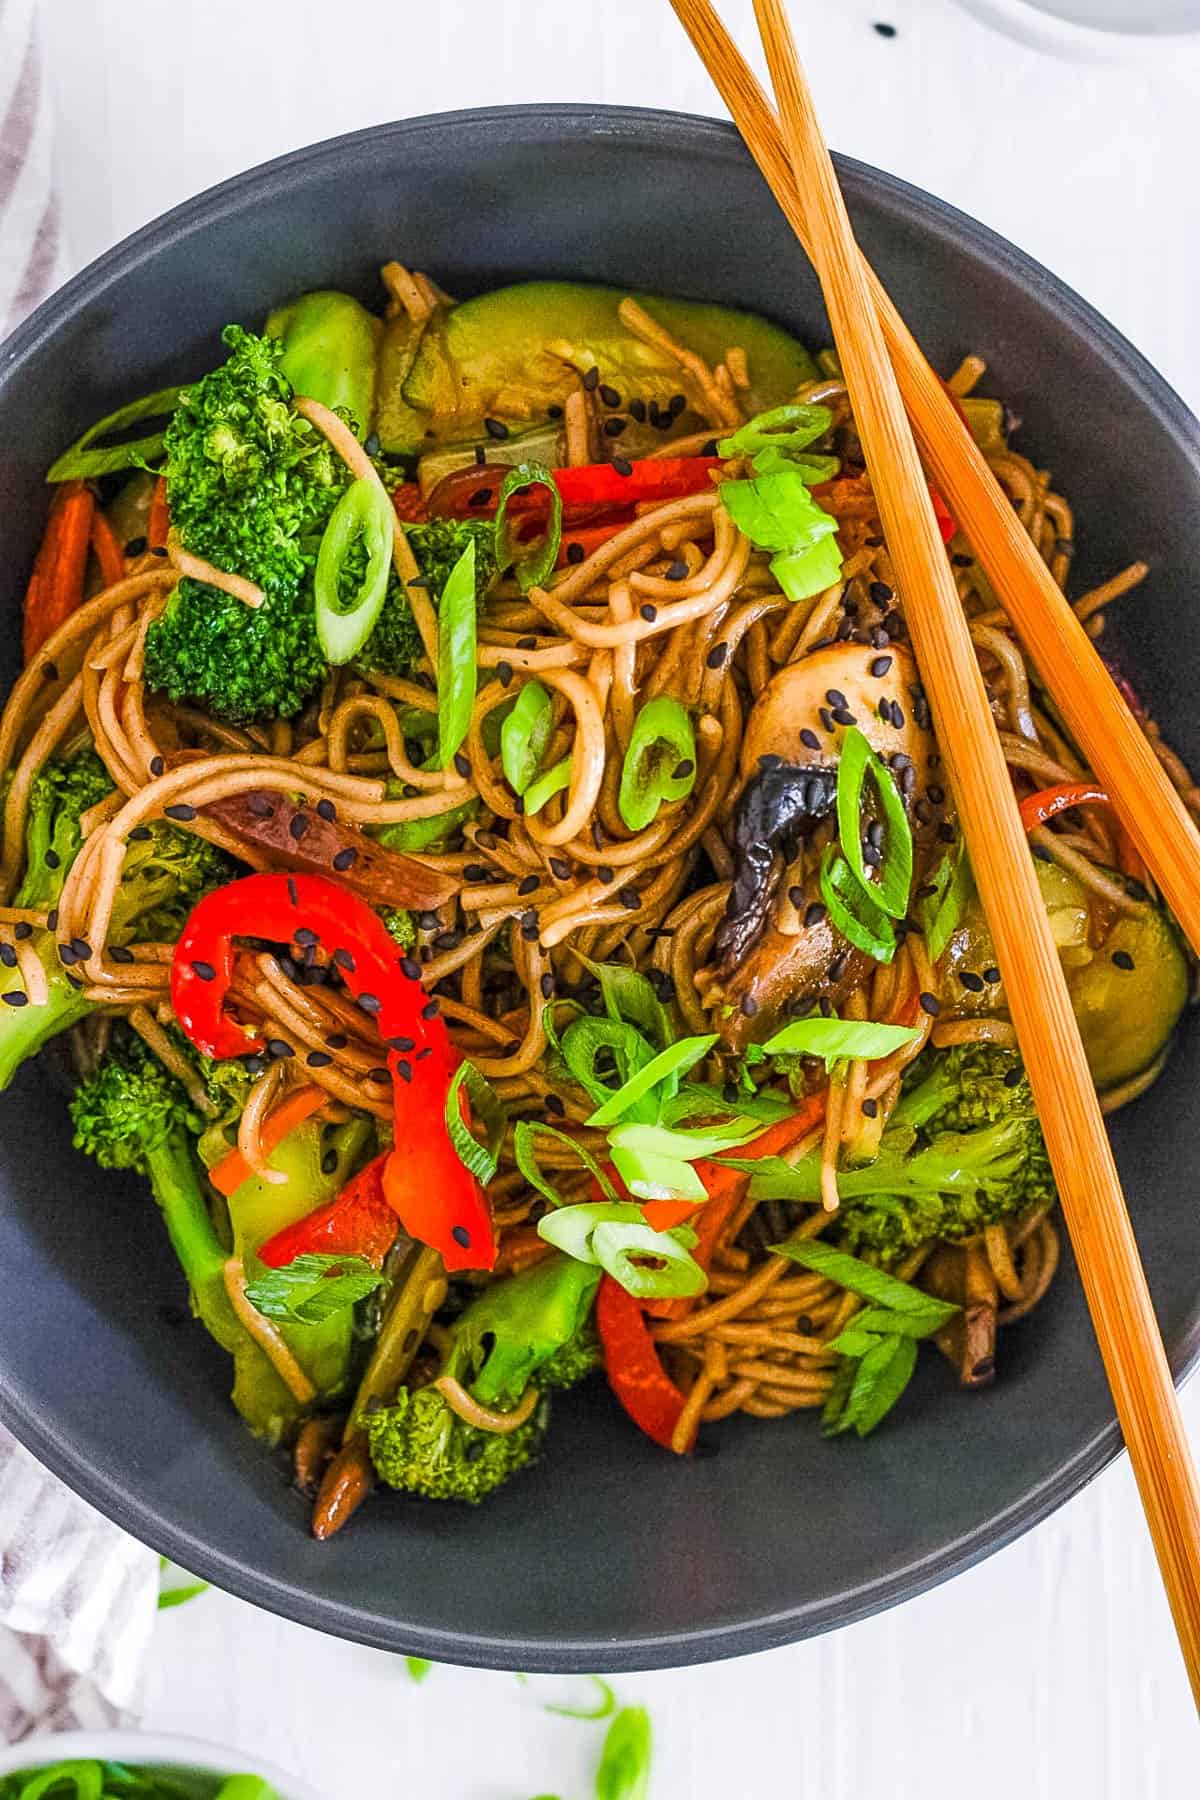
(1051, 1670)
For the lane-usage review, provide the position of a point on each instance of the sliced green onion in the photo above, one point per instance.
(941, 912)
(624, 1772)
(618, 1247)
(878, 1381)
(480, 1159)
(685, 1145)
(363, 516)
(777, 512)
(456, 656)
(604, 1707)
(891, 891)
(660, 763)
(882, 1321)
(802, 573)
(852, 911)
(703, 1099)
(669, 1062)
(423, 834)
(865, 1280)
(570, 1228)
(586, 1038)
(532, 564)
(82, 463)
(312, 1288)
(546, 786)
(653, 1177)
(812, 470)
(791, 427)
(838, 1040)
(525, 734)
(627, 994)
(524, 1132)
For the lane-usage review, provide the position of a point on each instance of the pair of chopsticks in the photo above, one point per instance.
(885, 371)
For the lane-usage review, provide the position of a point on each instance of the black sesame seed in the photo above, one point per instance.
(345, 859)
(881, 593)
(279, 1050)
(370, 1003)
(769, 762)
(52, 919)
(883, 30)
(554, 1106)
(158, 549)
(677, 572)
(504, 673)
(844, 630)
(825, 1006)
(371, 444)
(622, 465)
(475, 872)
(318, 1059)
(880, 638)
(614, 427)
(528, 885)
(53, 859)
(826, 721)
(929, 1004)
(591, 380)
(380, 1076)
(962, 562)
(259, 806)
(638, 410)
(648, 611)
(8, 956)
(872, 857)
(875, 833)
(529, 930)
(991, 975)
(575, 553)
(447, 940)
(204, 970)
(945, 832)
(22, 930)
(835, 697)
(972, 982)
(403, 1068)
(936, 794)
(298, 824)
(605, 875)
(837, 967)
(67, 956)
(480, 497)
(462, 764)
(547, 986)
(881, 665)
(135, 546)
(329, 1162)
(496, 428)
(749, 1006)
(181, 811)
(843, 716)
(814, 913)
(897, 715)
(682, 770)
(119, 954)
(157, 766)
(809, 739)
(870, 1108)
(1014, 1077)
(716, 656)
(326, 810)
(676, 404)
(554, 412)
(1122, 959)
(629, 896)
(560, 867)
(480, 463)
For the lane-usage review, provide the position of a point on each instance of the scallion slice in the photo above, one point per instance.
(456, 656)
(362, 521)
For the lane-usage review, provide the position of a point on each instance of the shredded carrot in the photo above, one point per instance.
(159, 521)
(55, 588)
(228, 1175)
(107, 550)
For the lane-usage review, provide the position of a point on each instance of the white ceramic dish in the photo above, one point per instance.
(180, 1756)
(1110, 30)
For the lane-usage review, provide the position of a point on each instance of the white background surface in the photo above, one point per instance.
(1051, 1670)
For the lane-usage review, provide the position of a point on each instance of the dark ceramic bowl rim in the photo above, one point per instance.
(687, 133)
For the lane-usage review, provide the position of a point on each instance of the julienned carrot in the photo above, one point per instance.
(55, 588)
(106, 547)
(228, 1175)
(159, 521)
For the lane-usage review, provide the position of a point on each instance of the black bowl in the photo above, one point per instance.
(610, 1555)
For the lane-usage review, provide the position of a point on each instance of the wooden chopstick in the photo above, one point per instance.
(1070, 667)
(1088, 1184)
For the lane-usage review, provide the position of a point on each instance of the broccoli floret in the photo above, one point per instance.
(531, 1327)
(963, 1150)
(133, 1114)
(578, 1359)
(400, 924)
(166, 871)
(250, 487)
(394, 647)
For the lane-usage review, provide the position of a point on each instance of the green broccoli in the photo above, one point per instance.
(166, 871)
(400, 924)
(394, 647)
(133, 1114)
(529, 1328)
(250, 486)
(962, 1150)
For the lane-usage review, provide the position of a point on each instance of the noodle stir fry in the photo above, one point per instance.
(473, 816)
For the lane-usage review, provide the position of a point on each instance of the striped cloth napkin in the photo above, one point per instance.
(77, 1596)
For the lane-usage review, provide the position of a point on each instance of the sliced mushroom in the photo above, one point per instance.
(963, 1275)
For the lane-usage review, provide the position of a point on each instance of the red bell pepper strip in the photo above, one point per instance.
(55, 588)
(437, 1199)
(631, 1361)
(1047, 803)
(852, 497)
(586, 538)
(473, 493)
(358, 1223)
